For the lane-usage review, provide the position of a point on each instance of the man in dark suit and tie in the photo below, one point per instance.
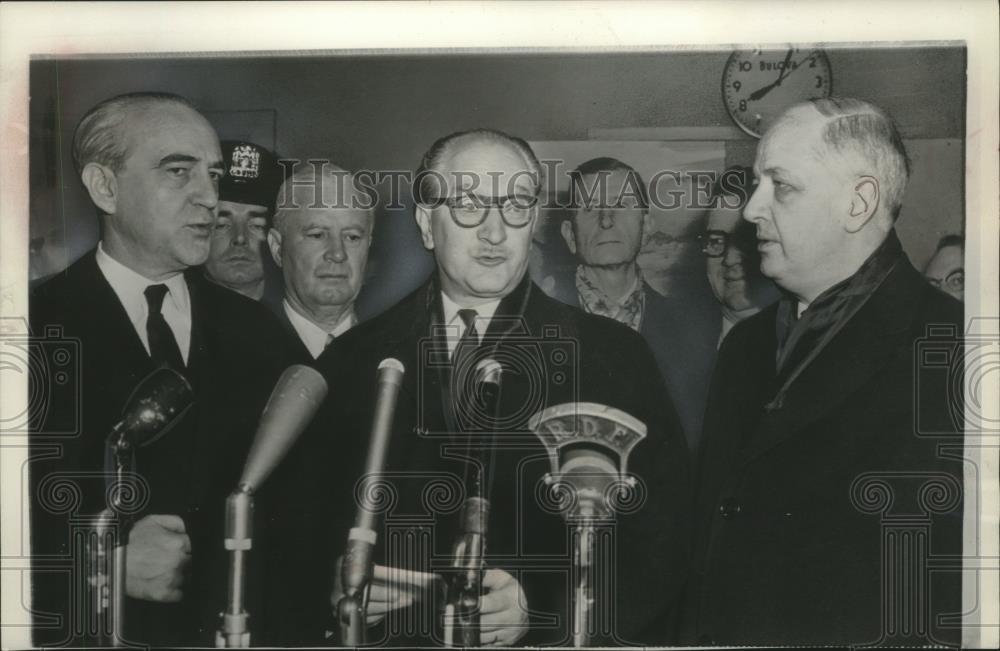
(476, 209)
(151, 165)
(831, 476)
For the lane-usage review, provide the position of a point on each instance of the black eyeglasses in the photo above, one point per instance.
(955, 281)
(470, 210)
(715, 243)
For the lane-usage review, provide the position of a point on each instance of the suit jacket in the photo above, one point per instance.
(296, 347)
(800, 508)
(680, 334)
(552, 354)
(236, 355)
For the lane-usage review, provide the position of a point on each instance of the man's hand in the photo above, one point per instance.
(383, 597)
(503, 618)
(158, 551)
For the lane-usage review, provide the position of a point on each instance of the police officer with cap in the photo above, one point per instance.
(246, 205)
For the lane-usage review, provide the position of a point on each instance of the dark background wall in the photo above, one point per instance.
(382, 111)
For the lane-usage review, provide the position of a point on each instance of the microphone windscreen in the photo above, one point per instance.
(293, 403)
(589, 471)
(391, 370)
(155, 405)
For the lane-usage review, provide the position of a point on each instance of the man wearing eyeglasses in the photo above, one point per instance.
(476, 194)
(730, 249)
(946, 268)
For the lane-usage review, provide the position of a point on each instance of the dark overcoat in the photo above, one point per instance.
(802, 509)
(552, 354)
(236, 356)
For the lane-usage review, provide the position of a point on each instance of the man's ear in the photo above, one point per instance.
(567, 230)
(423, 217)
(274, 244)
(864, 203)
(102, 186)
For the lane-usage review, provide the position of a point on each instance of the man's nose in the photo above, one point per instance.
(241, 234)
(493, 230)
(205, 191)
(335, 251)
(756, 209)
(606, 218)
(733, 256)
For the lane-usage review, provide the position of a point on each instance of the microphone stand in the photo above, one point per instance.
(583, 579)
(113, 527)
(465, 587)
(156, 404)
(588, 446)
(294, 401)
(359, 558)
(234, 631)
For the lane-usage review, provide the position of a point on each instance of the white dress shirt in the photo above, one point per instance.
(455, 327)
(129, 287)
(314, 337)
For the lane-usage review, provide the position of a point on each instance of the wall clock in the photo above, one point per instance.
(758, 85)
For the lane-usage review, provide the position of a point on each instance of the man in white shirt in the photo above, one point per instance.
(476, 195)
(321, 236)
(823, 400)
(151, 165)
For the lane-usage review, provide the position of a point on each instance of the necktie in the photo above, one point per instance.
(329, 340)
(162, 345)
(462, 367)
(469, 340)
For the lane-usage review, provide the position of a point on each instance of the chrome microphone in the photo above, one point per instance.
(294, 401)
(154, 407)
(588, 446)
(465, 586)
(357, 567)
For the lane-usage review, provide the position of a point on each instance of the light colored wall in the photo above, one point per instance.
(381, 112)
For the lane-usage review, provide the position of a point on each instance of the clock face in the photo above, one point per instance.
(758, 85)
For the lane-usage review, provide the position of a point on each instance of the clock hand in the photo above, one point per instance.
(777, 82)
(784, 67)
(760, 92)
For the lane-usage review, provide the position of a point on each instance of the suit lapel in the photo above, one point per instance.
(202, 434)
(858, 352)
(113, 325)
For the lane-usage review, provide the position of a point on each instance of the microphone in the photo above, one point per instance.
(155, 406)
(294, 401)
(357, 567)
(589, 473)
(588, 446)
(469, 549)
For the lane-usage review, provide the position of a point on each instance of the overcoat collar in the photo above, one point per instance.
(866, 344)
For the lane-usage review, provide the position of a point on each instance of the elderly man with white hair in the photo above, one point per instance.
(826, 428)
(320, 239)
